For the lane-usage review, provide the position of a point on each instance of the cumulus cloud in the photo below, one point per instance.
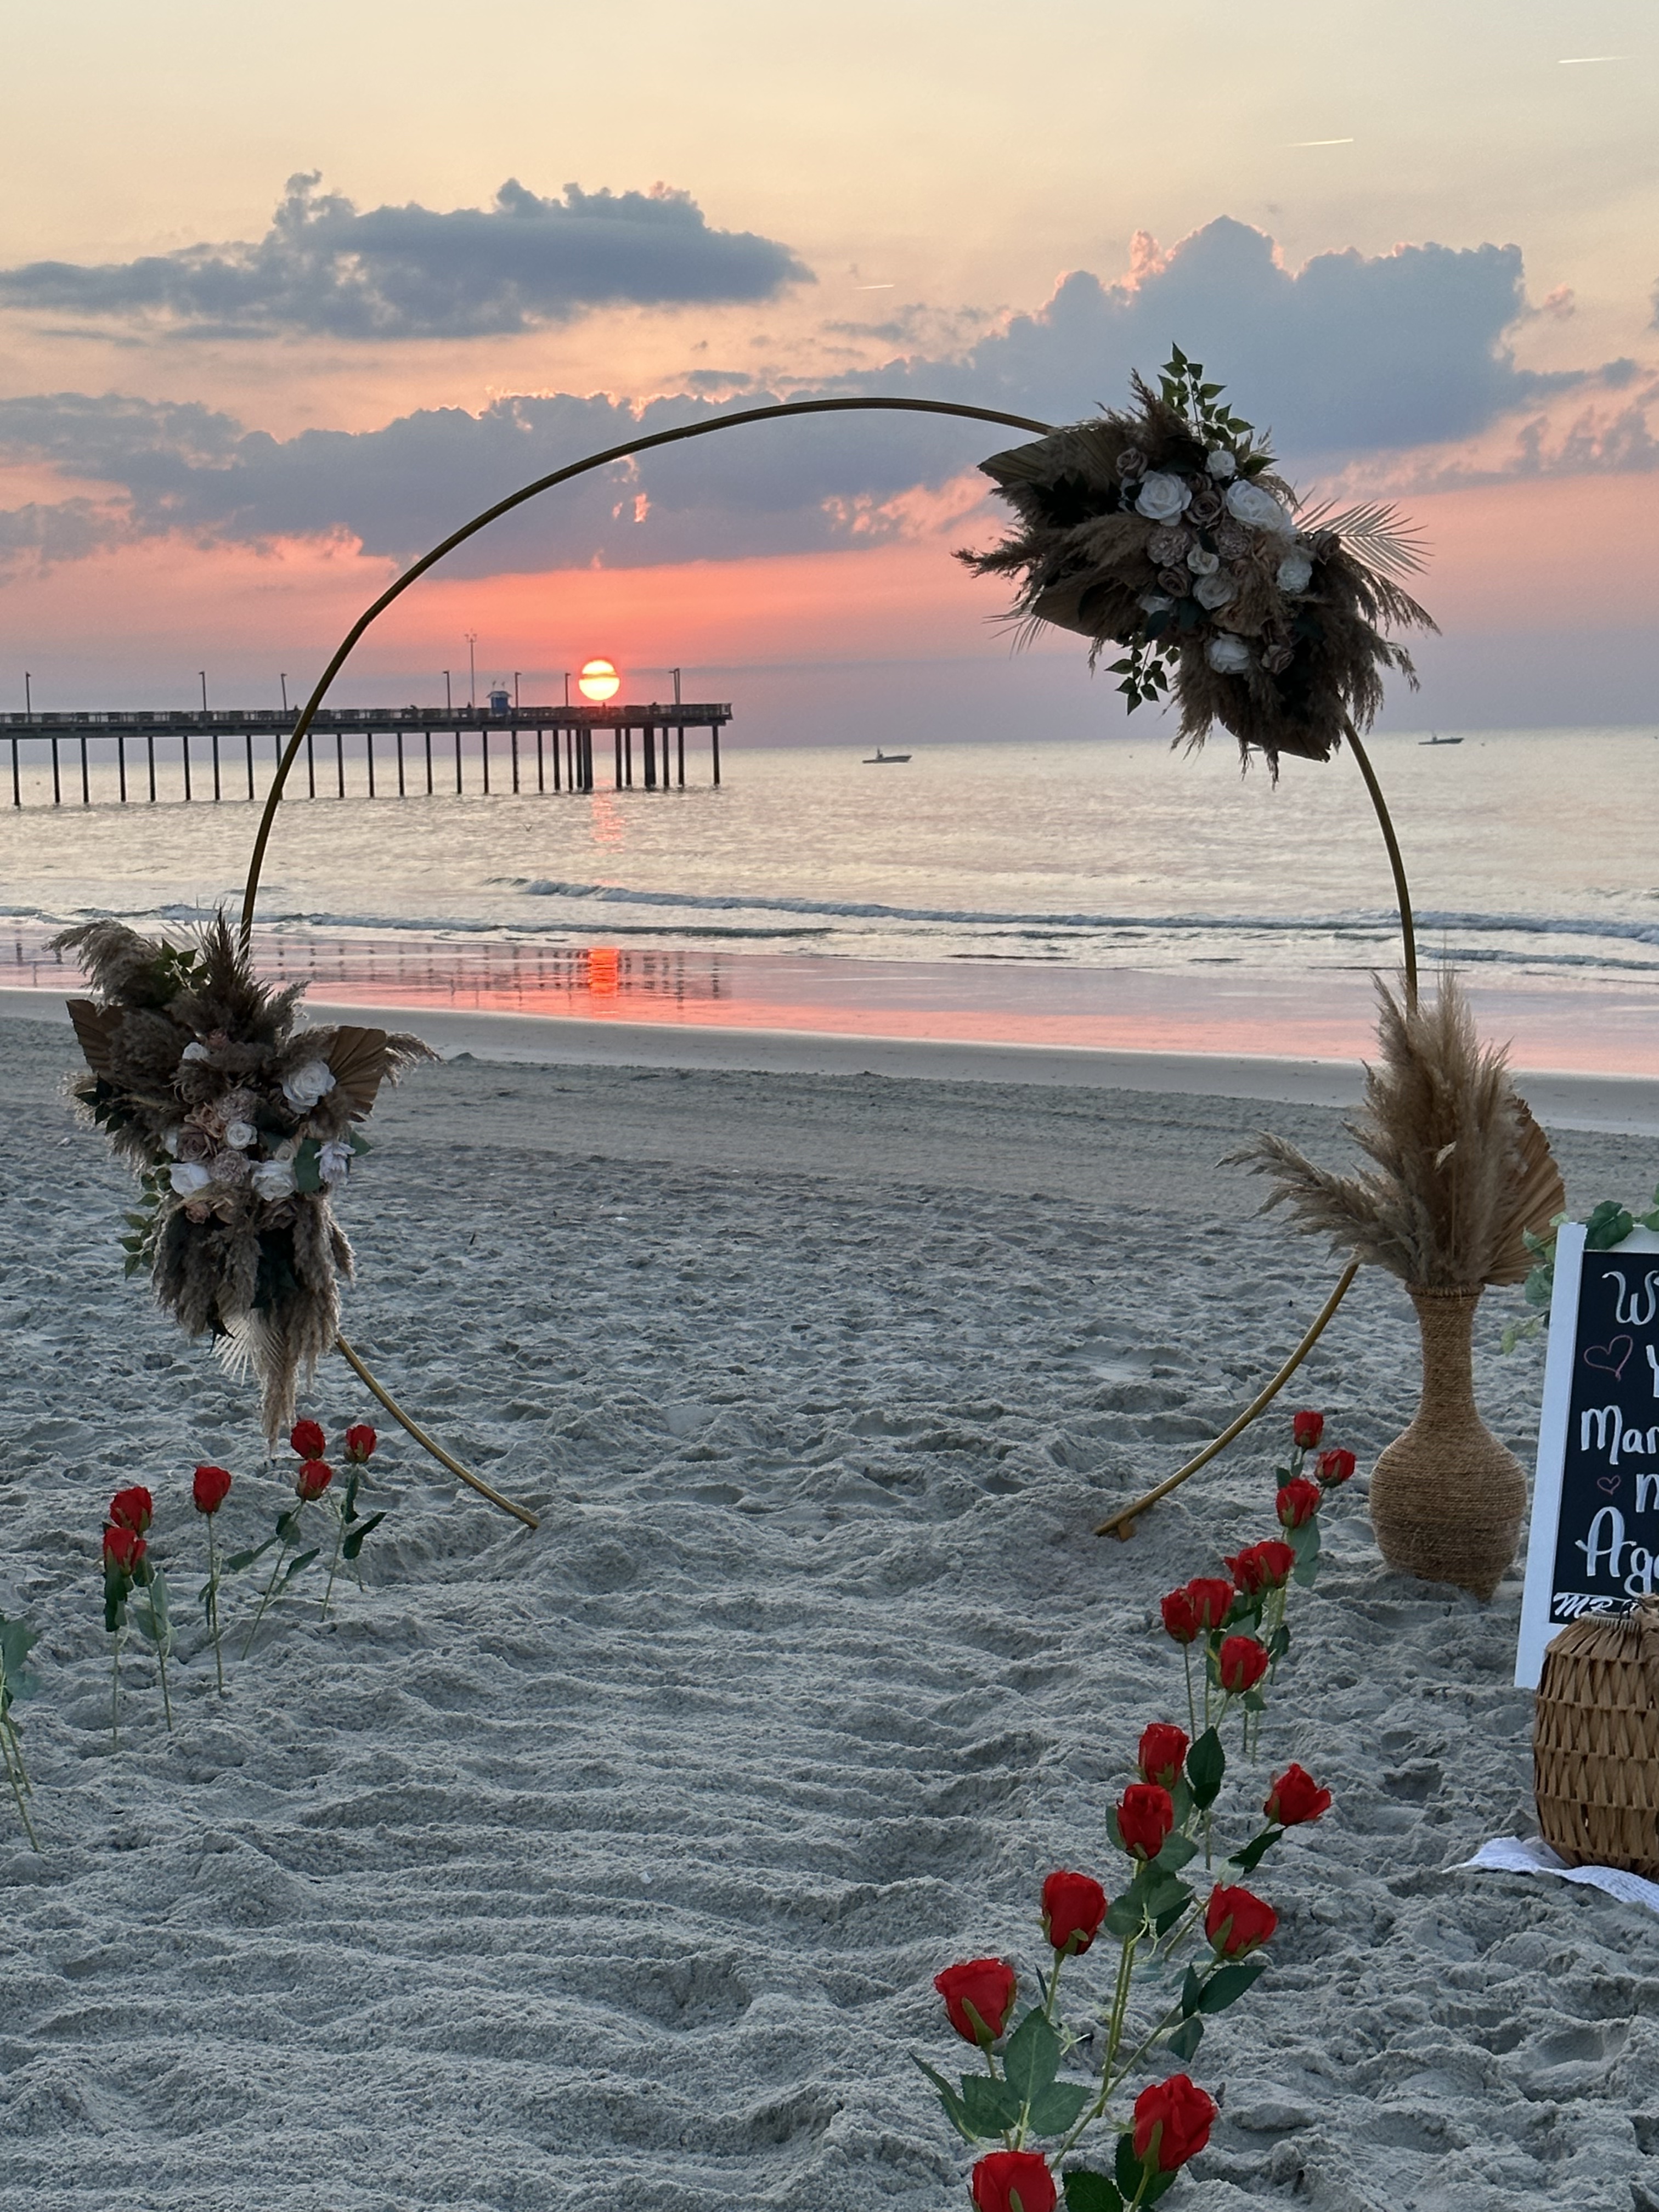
(1354, 359)
(326, 268)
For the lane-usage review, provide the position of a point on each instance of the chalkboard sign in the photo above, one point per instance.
(1594, 1538)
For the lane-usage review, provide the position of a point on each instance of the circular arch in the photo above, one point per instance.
(1122, 1524)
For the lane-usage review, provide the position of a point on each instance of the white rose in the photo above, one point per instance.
(188, 1176)
(1161, 497)
(170, 1141)
(194, 1052)
(1295, 572)
(1228, 656)
(1213, 592)
(1203, 562)
(272, 1179)
(334, 1159)
(1222, 464)
(1156, 603)
(239, 1135)
(307, 1084)
(1247, 502)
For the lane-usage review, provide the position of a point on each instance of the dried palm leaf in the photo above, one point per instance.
(1380, 534)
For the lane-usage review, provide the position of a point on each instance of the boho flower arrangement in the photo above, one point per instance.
(1204, 1946)
(1165, 531)
(1460, 1188)
(241, 1128)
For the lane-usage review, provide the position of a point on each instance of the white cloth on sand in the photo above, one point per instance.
(1513, 1854)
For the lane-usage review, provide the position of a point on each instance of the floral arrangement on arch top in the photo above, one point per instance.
(1165, 531)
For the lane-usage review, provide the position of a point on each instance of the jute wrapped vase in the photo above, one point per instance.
(1447, 1498)
(1595, 1743)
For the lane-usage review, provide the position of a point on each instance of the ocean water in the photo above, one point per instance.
(1118, 892)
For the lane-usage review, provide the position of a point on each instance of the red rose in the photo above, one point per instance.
(307, 1439)
(1236, 1922)
(1306, 1430)
(1294, 1797)
(1173, 2120)
(1335, 1467)
(1162, 1754)
(124, 1548)
(987, 1984)
(1073, 1906)
(132, 1509)
(360, 1443)
(1211, 1598)
(1263, 1567)
(1179, 1616)
(210, 1488)
(312, 1479)
(1243, 1662)
(1298, 1502)
(1144, 1818)
(1013, 2181)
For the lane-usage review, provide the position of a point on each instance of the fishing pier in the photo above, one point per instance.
(147, 757)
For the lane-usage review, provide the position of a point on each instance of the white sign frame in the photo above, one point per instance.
(1536, 1626)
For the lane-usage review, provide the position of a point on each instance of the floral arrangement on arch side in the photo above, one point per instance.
(242, 1126)
(1205, 1950)
(1166, 531)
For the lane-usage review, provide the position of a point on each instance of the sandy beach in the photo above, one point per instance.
(609, 1867)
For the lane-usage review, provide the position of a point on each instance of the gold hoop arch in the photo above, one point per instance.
(1122, 1524)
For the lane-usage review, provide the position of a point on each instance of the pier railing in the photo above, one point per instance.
(148, 756)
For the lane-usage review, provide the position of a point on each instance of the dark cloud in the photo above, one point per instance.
(326, 269)
(1351, 358)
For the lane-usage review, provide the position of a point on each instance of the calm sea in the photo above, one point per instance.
(1114, 893)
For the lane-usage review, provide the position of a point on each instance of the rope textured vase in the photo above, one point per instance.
(1447, 1498)
(1595, 1743)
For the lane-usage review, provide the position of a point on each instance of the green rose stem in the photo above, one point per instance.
(334, 1563)
(213, 1604)
(291, 1523)
(1192, 1710)
(15, 1773)
(161, 1662)
(115, 1693)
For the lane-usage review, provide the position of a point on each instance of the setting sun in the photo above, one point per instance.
(598, 680)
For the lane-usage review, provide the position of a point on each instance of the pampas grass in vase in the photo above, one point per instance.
(1460, 1173)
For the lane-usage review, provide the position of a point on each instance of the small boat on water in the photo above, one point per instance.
(1437, 739)
(879, 759)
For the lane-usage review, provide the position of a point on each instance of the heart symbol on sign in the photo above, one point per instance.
(1608, 1357)
(1609, 1483)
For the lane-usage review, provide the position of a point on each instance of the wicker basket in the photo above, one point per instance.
(1595, 1743)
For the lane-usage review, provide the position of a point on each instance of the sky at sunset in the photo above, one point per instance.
(285, 294)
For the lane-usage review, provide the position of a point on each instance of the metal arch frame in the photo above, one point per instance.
(1122, 1523)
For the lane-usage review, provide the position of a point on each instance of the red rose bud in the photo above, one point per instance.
(1263, 1567)
(312, 1479)
(1073, 1906)
(307, 1439)
(124, 1548)
(209, 1488)
(1242, 1664)
(1179, 2115)
(132, 1509)
(1180, 1618)
(987, 1984)
(1335, 1467)
(1294, 1797)
(1211, 1599)
(1298, 1502)
(1236, 1922)
(1013, 2181)
(1306, 1430)
(1144, 1818)
(360, 1443)
(1162, 1754)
